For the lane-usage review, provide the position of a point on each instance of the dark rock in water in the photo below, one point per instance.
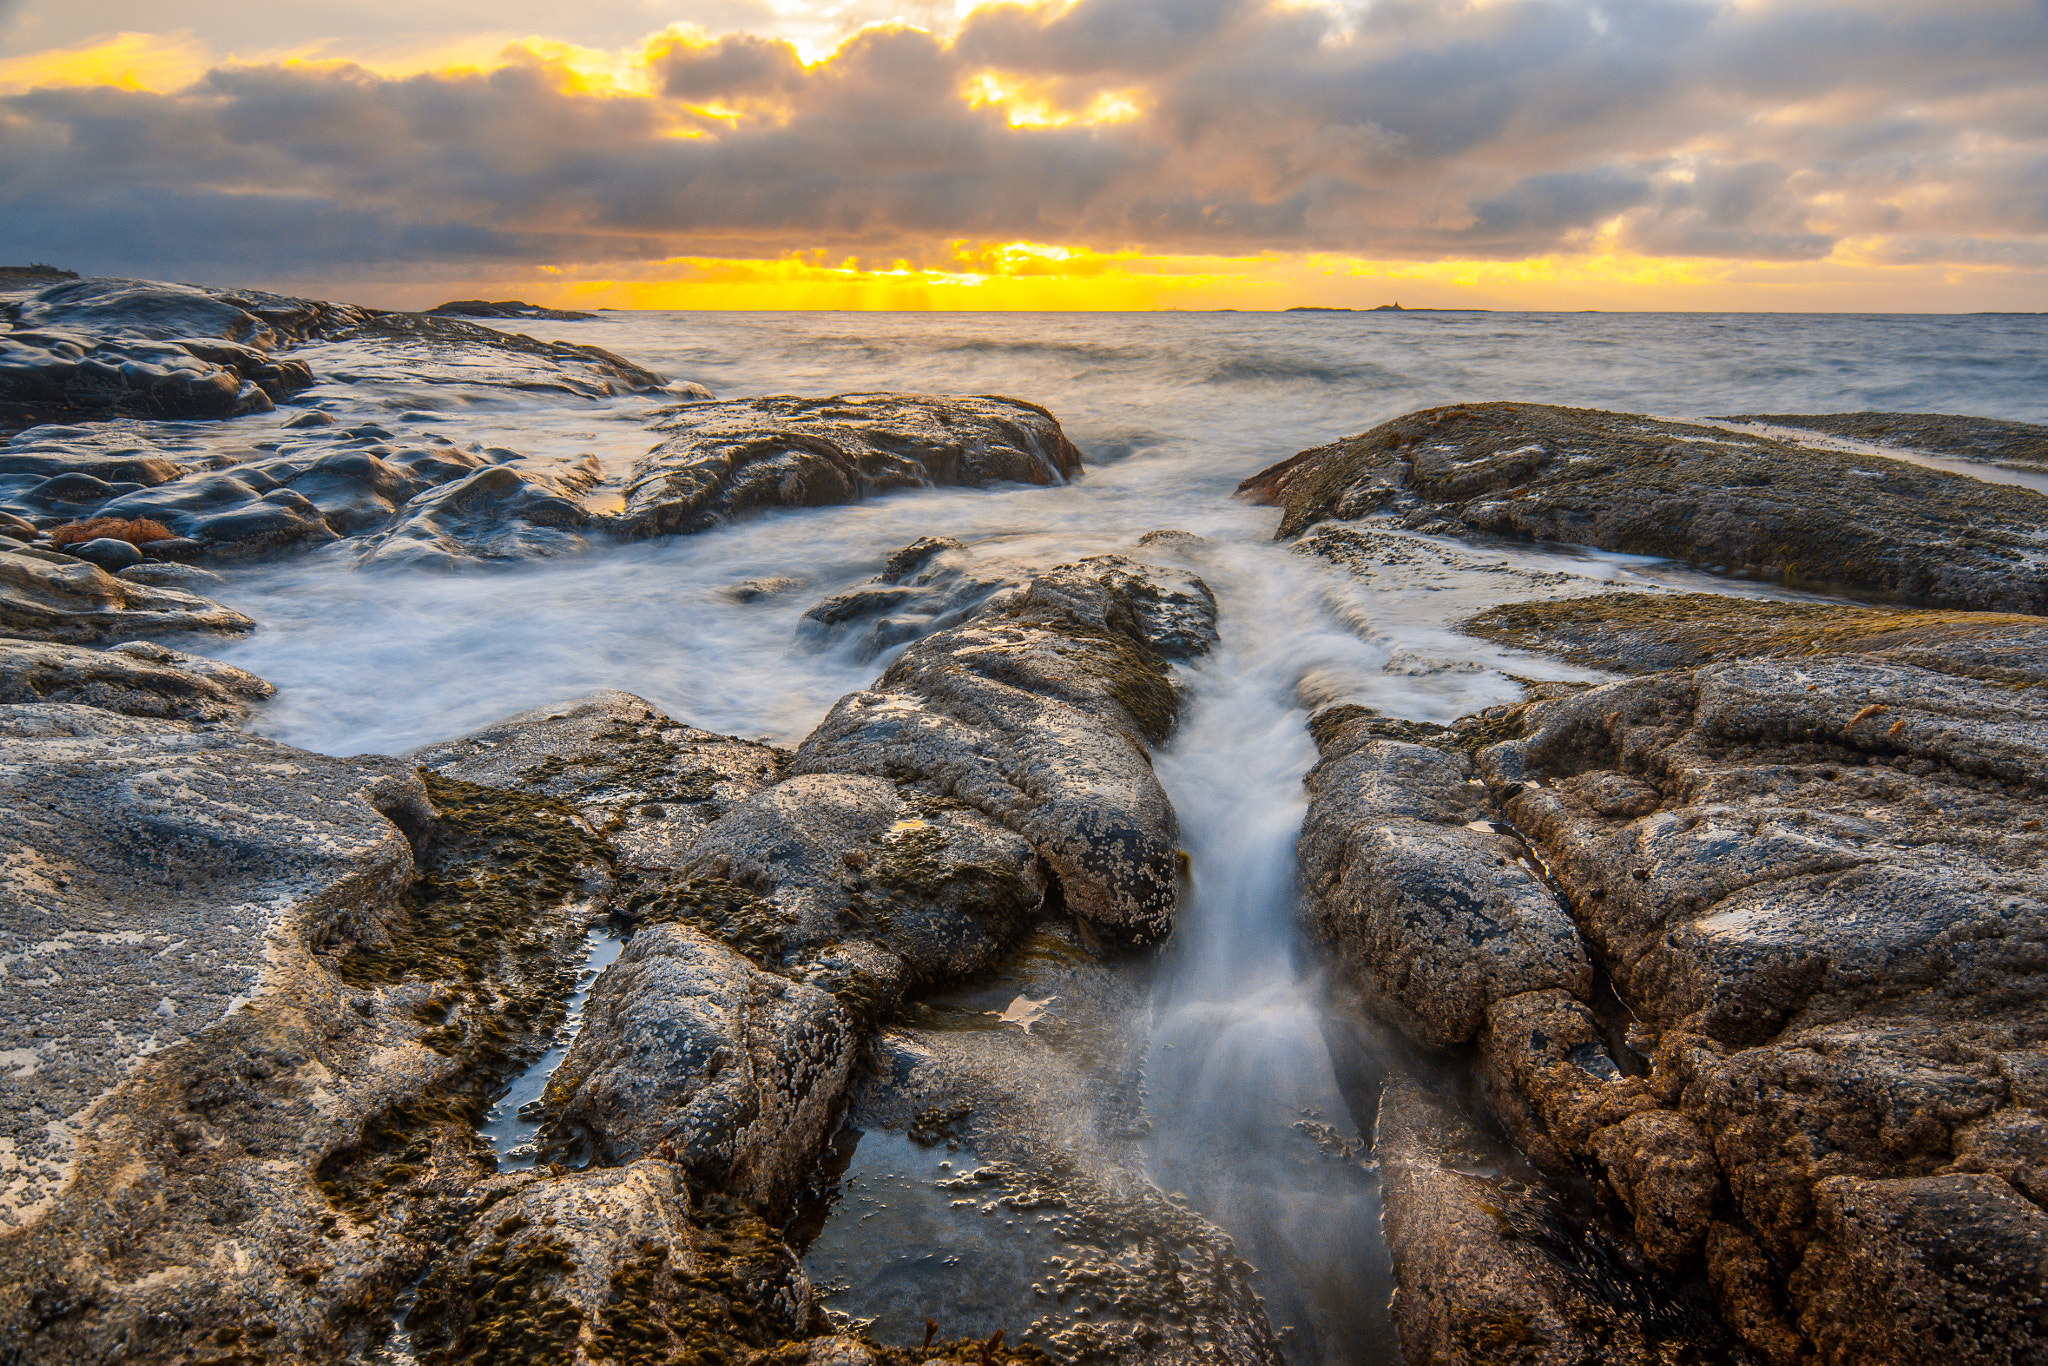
(506, 308)
(1724, 500)
(136, 679)
(2020, 445)
(108, 553)
(925, 587)
(47, 596)
(172, 574)
(1037, 715)
(723, 460)
(499, 513)
(690, 1051)
(158, 311)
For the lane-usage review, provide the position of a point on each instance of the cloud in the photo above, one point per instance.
(1408, 129)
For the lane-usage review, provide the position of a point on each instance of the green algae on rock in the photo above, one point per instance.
(1636, 633)
(2017, 445)
(1728, 501)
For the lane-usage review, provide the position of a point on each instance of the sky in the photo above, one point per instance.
(1768, 155)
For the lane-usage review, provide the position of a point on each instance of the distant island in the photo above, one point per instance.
(1378, 308)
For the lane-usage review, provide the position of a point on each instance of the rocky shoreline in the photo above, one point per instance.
(1713, 986)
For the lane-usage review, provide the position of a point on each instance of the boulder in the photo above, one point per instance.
(1491, 1269)
(1037, 713)
(435, 349)
(48, 596)
(691, 1053)
(1729, 501)
(135, 679)
(722, 460)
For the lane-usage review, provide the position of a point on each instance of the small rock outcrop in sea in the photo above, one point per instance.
(45, 595)
(722, 460)
(1815, 874)
(1728, 501)
(2016, 445)
(506, 308)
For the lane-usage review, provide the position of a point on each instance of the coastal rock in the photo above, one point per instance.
(723, 460)
(933, 883)
(610, 1264)
(182, 1060)
(1729, 501)
(1038, 715)
(1435, 911)
(135, 679)
(1819, 883)
(499, 513)
(1640, 633)
(651, 784)
(2016, 445)
(1489, 1269)
(47, 596)
(691, 1053)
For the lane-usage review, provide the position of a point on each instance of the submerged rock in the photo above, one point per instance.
(135, 679)
(727, 459)
(1729, 501)
(2017, 445)
(48, 596)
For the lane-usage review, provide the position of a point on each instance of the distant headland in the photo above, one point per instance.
(1379, 308)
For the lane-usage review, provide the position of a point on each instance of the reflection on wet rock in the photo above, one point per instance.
(723, 460)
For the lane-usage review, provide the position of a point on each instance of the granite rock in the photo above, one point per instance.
(54, 597)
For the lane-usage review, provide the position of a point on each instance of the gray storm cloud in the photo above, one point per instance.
(1407, 129)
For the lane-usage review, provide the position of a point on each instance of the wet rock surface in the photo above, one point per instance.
(1017, 1152)
(2021, 445)
(723, 460)
(1817, 883)
(134, 679)
(1037, 713)
(1731, 502)
(506, 308)
(45, 595)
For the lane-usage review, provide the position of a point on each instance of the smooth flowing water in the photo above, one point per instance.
(1173, 410)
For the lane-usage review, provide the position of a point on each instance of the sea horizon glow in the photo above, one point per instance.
(1102, 155)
